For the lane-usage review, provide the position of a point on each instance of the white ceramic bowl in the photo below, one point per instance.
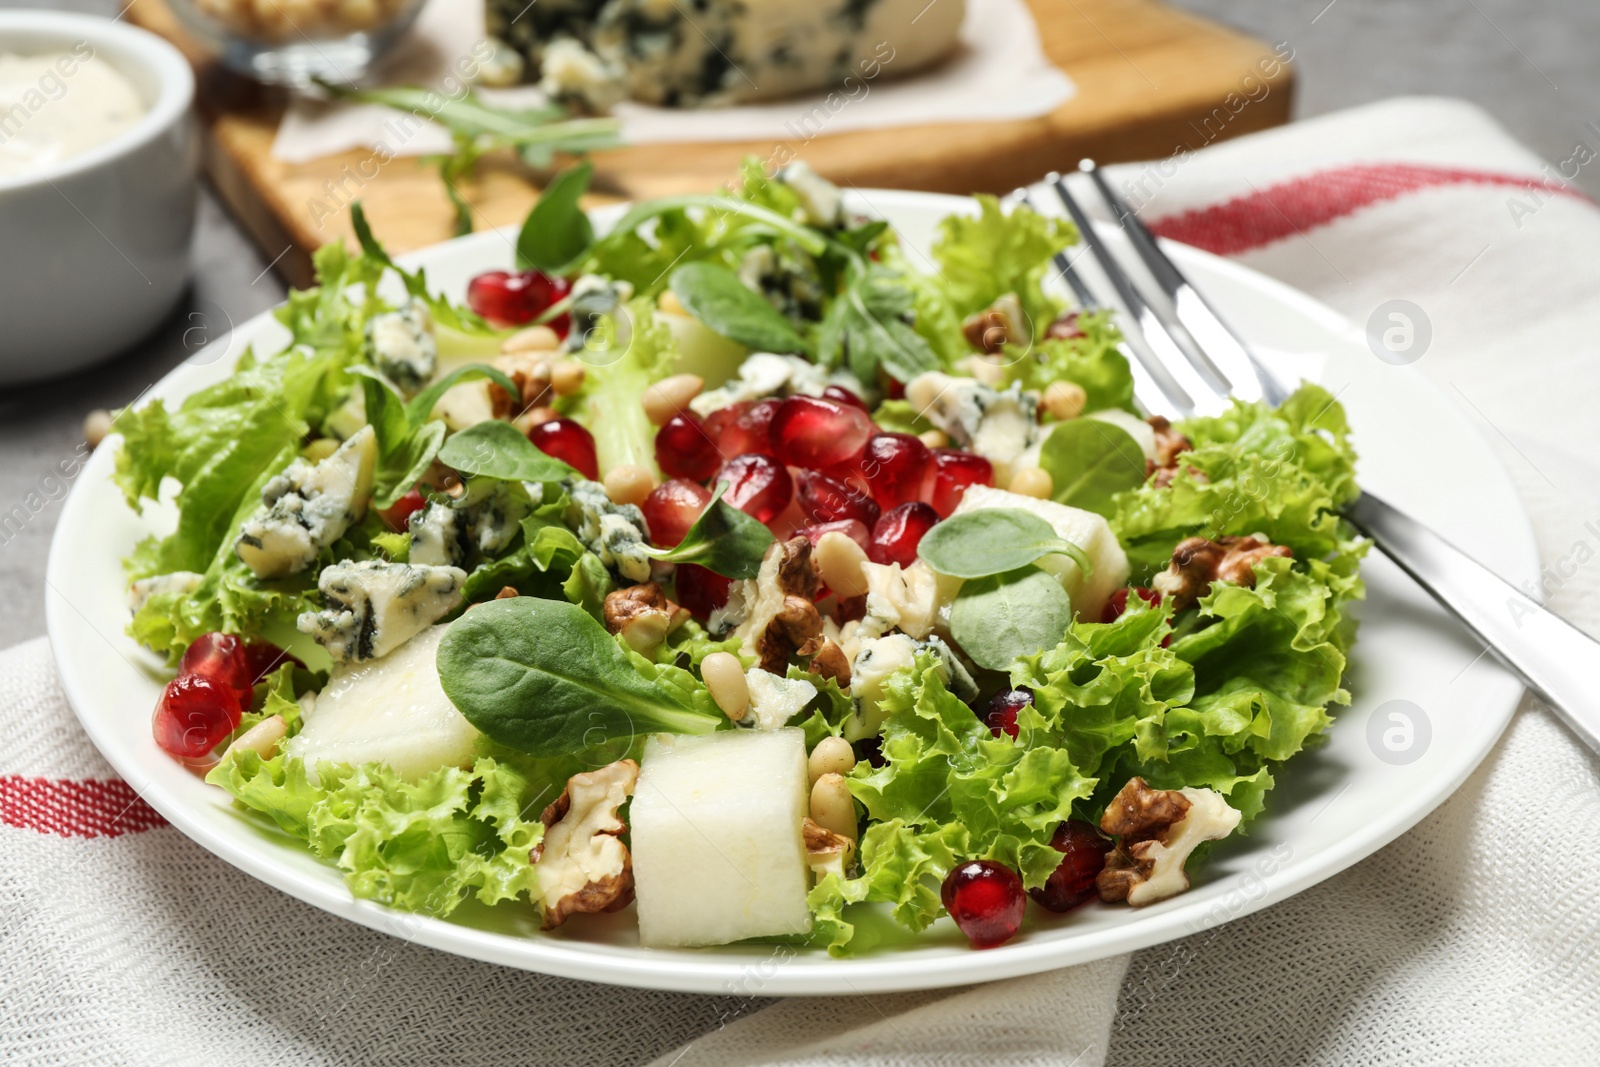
(96, 247)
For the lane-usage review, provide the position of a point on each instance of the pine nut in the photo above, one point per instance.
(670, 304)
(1033, 481)
(671, 395)
(1064, 400)
(832, 806)
(934, 438)
(833, 755)
(566, 377)
(985, 370)
(534, 416)
(629, 484)
(531, 339)
(839, 561)
(724, 677)
(96, 425)
(922, 392)
(262, 738)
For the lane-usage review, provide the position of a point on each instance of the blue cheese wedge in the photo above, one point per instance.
(719, 52)
(308, 507)
(401, 345)
(375, 607)
(821, 204)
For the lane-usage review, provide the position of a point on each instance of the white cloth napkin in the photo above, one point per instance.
(998, 71)
(1474, 939)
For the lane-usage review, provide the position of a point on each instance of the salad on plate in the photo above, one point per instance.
(738, 564)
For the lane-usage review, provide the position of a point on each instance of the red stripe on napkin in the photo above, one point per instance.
(75, 808)
(1301, 204)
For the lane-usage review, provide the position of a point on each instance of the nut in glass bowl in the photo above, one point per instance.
(292, 42)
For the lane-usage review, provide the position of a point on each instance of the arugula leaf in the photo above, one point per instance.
(723, 539)
(445, 314)
(977, 544)
(717, 297)
(1090, 461)
(499, 450)
(557, 233)
(868, 325)
(545, 678)
(1000, 618)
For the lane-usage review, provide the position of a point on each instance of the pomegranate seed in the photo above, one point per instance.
(671, 509)
(743, 428)
(1000, 713)
(194, 714)
(896, 536)
(840, 395)
(758, 485)
(402, 510)
(700, 591)
(1065, 328)
(1118, 603)
(262, 658)
(854, 529)
(811, 432)
(893, 465)
(685, 450)
(512, 299)
(893, 389)
(221, 660)
(826, 499)
(1084, 851)
(986, 900)
(569, 442)
(948, 476)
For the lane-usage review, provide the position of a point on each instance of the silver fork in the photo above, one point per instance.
(1192, 363)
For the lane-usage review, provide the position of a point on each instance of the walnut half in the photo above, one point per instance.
(643, 615)
(783, 619)
(1197, 562)
(826, 852)
(582, 864)
(1156, 830)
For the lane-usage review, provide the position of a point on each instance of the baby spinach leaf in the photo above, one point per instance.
(717, 297)
(419, 407)
(723, 539)
(543, 677)
(1090, 462)
(499, 450)
(557, 233)
(976, 544)
(999, 618)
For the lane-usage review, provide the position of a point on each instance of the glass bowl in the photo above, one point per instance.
(293, 42)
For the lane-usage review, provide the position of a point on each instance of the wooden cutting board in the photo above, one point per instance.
(1151, 81)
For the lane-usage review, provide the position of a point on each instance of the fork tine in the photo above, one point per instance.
(1146, 391)
(1167, 358)
(1226, 352)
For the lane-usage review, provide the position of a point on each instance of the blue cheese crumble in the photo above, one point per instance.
(375, 607)
(615, 532)
(401, 345)
(308, 507)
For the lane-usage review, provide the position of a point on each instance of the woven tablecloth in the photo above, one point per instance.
(1475, 938)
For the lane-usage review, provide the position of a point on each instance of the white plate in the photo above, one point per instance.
(1333, 806)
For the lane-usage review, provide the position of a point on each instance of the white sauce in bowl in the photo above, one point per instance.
(56, 106)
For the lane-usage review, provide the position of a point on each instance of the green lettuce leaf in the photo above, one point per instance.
(1092, 361)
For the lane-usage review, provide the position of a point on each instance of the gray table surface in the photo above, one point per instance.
(1529, 62)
